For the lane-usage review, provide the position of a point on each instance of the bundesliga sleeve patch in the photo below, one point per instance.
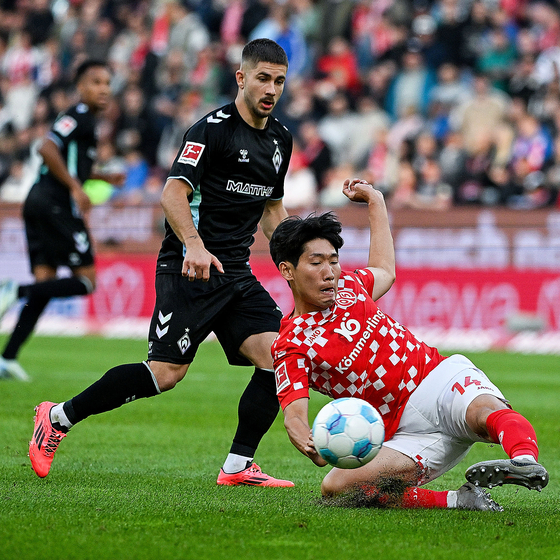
(65, 125)
(191, 153)
(282, 379)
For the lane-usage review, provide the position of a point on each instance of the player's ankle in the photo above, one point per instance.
(525, 458)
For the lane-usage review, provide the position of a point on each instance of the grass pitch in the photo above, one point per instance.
(139, 482)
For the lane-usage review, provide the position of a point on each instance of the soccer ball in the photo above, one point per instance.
(348, 433)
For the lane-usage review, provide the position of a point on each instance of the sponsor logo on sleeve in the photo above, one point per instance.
(65, 125)
(191, 153)
(282, 379)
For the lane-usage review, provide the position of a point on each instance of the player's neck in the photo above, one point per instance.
(91, 108)
(303, 308)
(248, 117)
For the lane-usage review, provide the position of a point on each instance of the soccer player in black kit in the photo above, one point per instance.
(226, 179)
(53, 213)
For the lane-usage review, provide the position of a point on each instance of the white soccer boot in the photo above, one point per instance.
(473, 498)
(12, 369)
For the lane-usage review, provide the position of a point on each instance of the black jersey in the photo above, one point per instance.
(74, 134)
(233, 169)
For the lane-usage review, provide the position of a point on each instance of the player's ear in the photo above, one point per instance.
(240, 78)
(286, 270)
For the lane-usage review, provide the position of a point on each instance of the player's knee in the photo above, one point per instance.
(168, 375)
(334, 484)
(479, 410)
(88, 282)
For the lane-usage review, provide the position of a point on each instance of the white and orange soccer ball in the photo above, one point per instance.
(348, 433)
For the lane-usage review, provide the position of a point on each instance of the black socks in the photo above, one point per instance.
(120, 385)
(38, 296)
(257, 410)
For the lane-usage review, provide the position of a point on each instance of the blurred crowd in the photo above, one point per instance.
(437, 103)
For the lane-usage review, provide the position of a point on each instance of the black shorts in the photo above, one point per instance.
(56, 236)
(233, 305)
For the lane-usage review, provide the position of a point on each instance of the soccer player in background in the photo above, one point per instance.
(227, 177)
(338, 342)
(54, 213)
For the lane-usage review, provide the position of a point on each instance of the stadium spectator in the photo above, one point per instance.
(498, 60)
(337, 126)
(370, 120)
(300, 185)
(282, 27)
(339, 68)
(316, 154)
(354, 48)
(412, 85)
(187, 33)
(481, 114)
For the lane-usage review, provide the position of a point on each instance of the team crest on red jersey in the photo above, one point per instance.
(345, 298)
(191, 153)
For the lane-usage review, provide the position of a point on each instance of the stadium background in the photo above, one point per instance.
(451, 107)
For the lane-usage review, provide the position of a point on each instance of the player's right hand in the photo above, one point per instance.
(358, 190)
(197, 263)
(82, 200)
(312, 453)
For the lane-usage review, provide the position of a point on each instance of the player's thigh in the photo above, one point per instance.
(387, 465)
(87, 272)
(433, 430)
(184, 315)
(256, 348)
(464, 383)
(44, 272)
(433, 452)
(55, 236)
(248, 325)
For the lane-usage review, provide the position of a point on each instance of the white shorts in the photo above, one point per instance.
(433, 430)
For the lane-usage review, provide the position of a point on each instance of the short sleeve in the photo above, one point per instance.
(365, 277)
(292, 381)
(190, 160)
(66, 127)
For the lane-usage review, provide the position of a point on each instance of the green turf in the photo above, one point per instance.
(139, 482)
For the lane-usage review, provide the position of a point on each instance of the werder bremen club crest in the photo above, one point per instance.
(277, 157)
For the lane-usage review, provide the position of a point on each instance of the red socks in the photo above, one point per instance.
(412, 498)
(513, 432)
(415, 497)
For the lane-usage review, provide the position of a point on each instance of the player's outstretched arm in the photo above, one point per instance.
(381, 248)
(53, 159)
(297, 425)
(177, 210)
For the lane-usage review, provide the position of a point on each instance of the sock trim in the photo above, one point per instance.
(87, 283)
(153, 377)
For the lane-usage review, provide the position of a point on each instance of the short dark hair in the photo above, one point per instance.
(289, 238)
(86, 65)
(263, 50)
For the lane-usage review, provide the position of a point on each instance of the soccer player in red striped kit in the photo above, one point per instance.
(338, 342)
